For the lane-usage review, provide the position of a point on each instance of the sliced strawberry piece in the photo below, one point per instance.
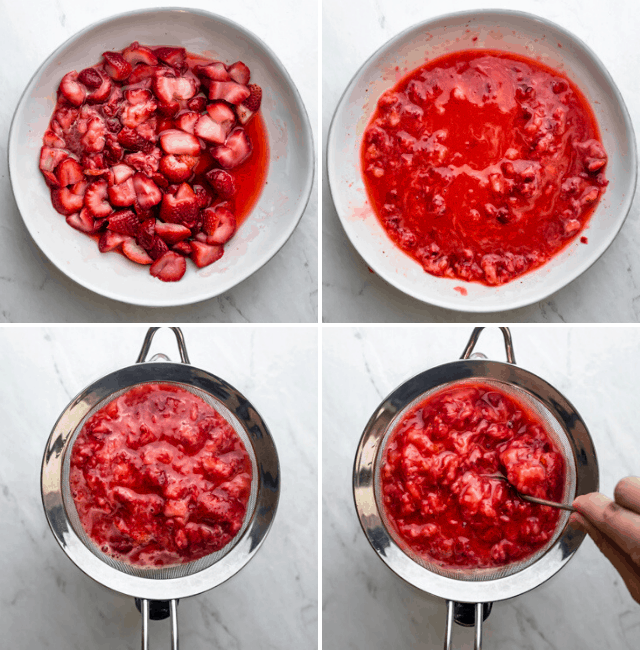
(172, 233)
(95, 199)
(209, 130)
(116, 66)
(255, 98)
(113, 151)
(146, 233)
(147, 192)
(66, 117)
(52, 140)
(160, 180)
(216, 71)
(133, 141)
(101, 94)
(229, 91)
(197, 104)
(219, 224)
(73, 91)
(111, 240)
(187, 121)
(158, 248)
(169, 110)
(148, 129)
(222, 182)
(147, 163)
(179, 142)
(90, 77)
(168, 88)
(244, 114)
(236, 149)
(169, 268)
(66, 201)
(137, 53)
(120, 173)
(140, 73)
(135, 253)
(94, 139)
(112, 107)
(94, 165)
(69, 172)
(221, 113)
(139, 107)
(125, 222)
(240, 73)
(182, 247)
(180, 208)
(122, 195)
(177, 168)
(203, 254)
(51, 158)
(82, 221)
(173, 56)
(203, 195)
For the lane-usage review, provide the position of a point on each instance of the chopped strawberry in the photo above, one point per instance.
(203, 254)
(82, 221)
(146, 233)
(148, 129)
(160, 180)
(209, 130)
(158, 248)
(240, 73)
(94, 139)
(66, 117)
(116, 66)
(52, 140)
(133, 141)
(219, 224)
(67, 201)
(197, 104)
(221, 113)
(95, 199)
(90, 77)
(217, 71)
(69, 172)
(179, 142)
(229, 91)
(120, 173)
(180, 208)
(147, 192)
(169, 268)
(244, 114)
(172, 233)
(73, 91)
(94, 164)
(124, 222)
(123, 194)
(177, 168)
(51, 158)
(111, 240)
(113, 151)
(135, 253)
(174, 56)
(147, 163)
(236, 149)
(255, 98)
(182, 247)
(203, 195)
(112, 107)
(139, 107)
(140, 73)
(169, 110)
(187, 121)
(102, 93)
(168, 88)
(137, 53)
(222, 182)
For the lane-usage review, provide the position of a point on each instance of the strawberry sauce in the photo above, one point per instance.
(483, 165)
(159, 478)
(434, 490)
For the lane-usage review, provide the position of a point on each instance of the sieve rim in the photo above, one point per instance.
(245, 547)
(450, 588)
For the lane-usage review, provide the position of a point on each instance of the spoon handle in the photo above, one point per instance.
(544, 502)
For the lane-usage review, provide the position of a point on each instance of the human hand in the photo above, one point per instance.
(615, 528)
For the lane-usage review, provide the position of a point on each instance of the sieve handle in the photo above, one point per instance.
(508, 343)
(142, 357)
(481, 612)
(173, 615)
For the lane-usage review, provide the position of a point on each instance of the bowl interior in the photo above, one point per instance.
(263, 232)
(508, 31)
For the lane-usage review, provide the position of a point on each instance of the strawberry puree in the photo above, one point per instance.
(158, 477)
(434, 491)
(483, 165)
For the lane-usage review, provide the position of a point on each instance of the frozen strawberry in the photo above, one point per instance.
(168, 88)
(222, 182)
(111, 240)
(216, 71)
(120, 173)
(123, 194)
(147, 192)
(140, 73)
(197, 104)
(240, 73)
(179, 142)
(255, 98)
(146, 233)
(182, 247)
(147, 163)
(82, 221)
(116, 66)
(52, 140)
(73, 91)
(68, 201)
(209, 130)
(235, 151)
(221, 113)
(51, 158)
(203, 254)
(180, 208)
(90, 77)
(229, 91)
(124, 222)
(137, 53)
(173, 56)
(95, 199)
(177, 168)
(158, 248)
(187, 121)
(172, 233)
(219, 224)
(169, 268)
(102, 92)
(139, 106)
(135, 253)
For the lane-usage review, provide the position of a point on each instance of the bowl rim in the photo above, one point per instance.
(542, 294)
(305, 194)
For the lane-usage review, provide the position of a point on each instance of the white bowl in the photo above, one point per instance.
(509, 31)
(264, 231)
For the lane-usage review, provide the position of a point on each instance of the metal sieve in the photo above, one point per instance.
(471, 592)
(157, 590)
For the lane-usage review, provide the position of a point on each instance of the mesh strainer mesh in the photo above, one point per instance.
(178, 570)
(553, 429)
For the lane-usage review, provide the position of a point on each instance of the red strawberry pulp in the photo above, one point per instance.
(159, 478)
(156, 136)
(435, 490)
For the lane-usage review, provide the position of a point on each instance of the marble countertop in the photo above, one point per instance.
(46, 602)
(364, 604)
(33, 290)
(608, 292)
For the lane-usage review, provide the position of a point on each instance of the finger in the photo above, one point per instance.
(620, 525)
(627, 493)
(621, 563)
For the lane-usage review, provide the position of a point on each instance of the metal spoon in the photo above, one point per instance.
(526, 497)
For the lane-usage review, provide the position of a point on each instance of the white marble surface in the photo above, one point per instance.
(364, 604)
(608, 292)
(32, 290)
(46, 602)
